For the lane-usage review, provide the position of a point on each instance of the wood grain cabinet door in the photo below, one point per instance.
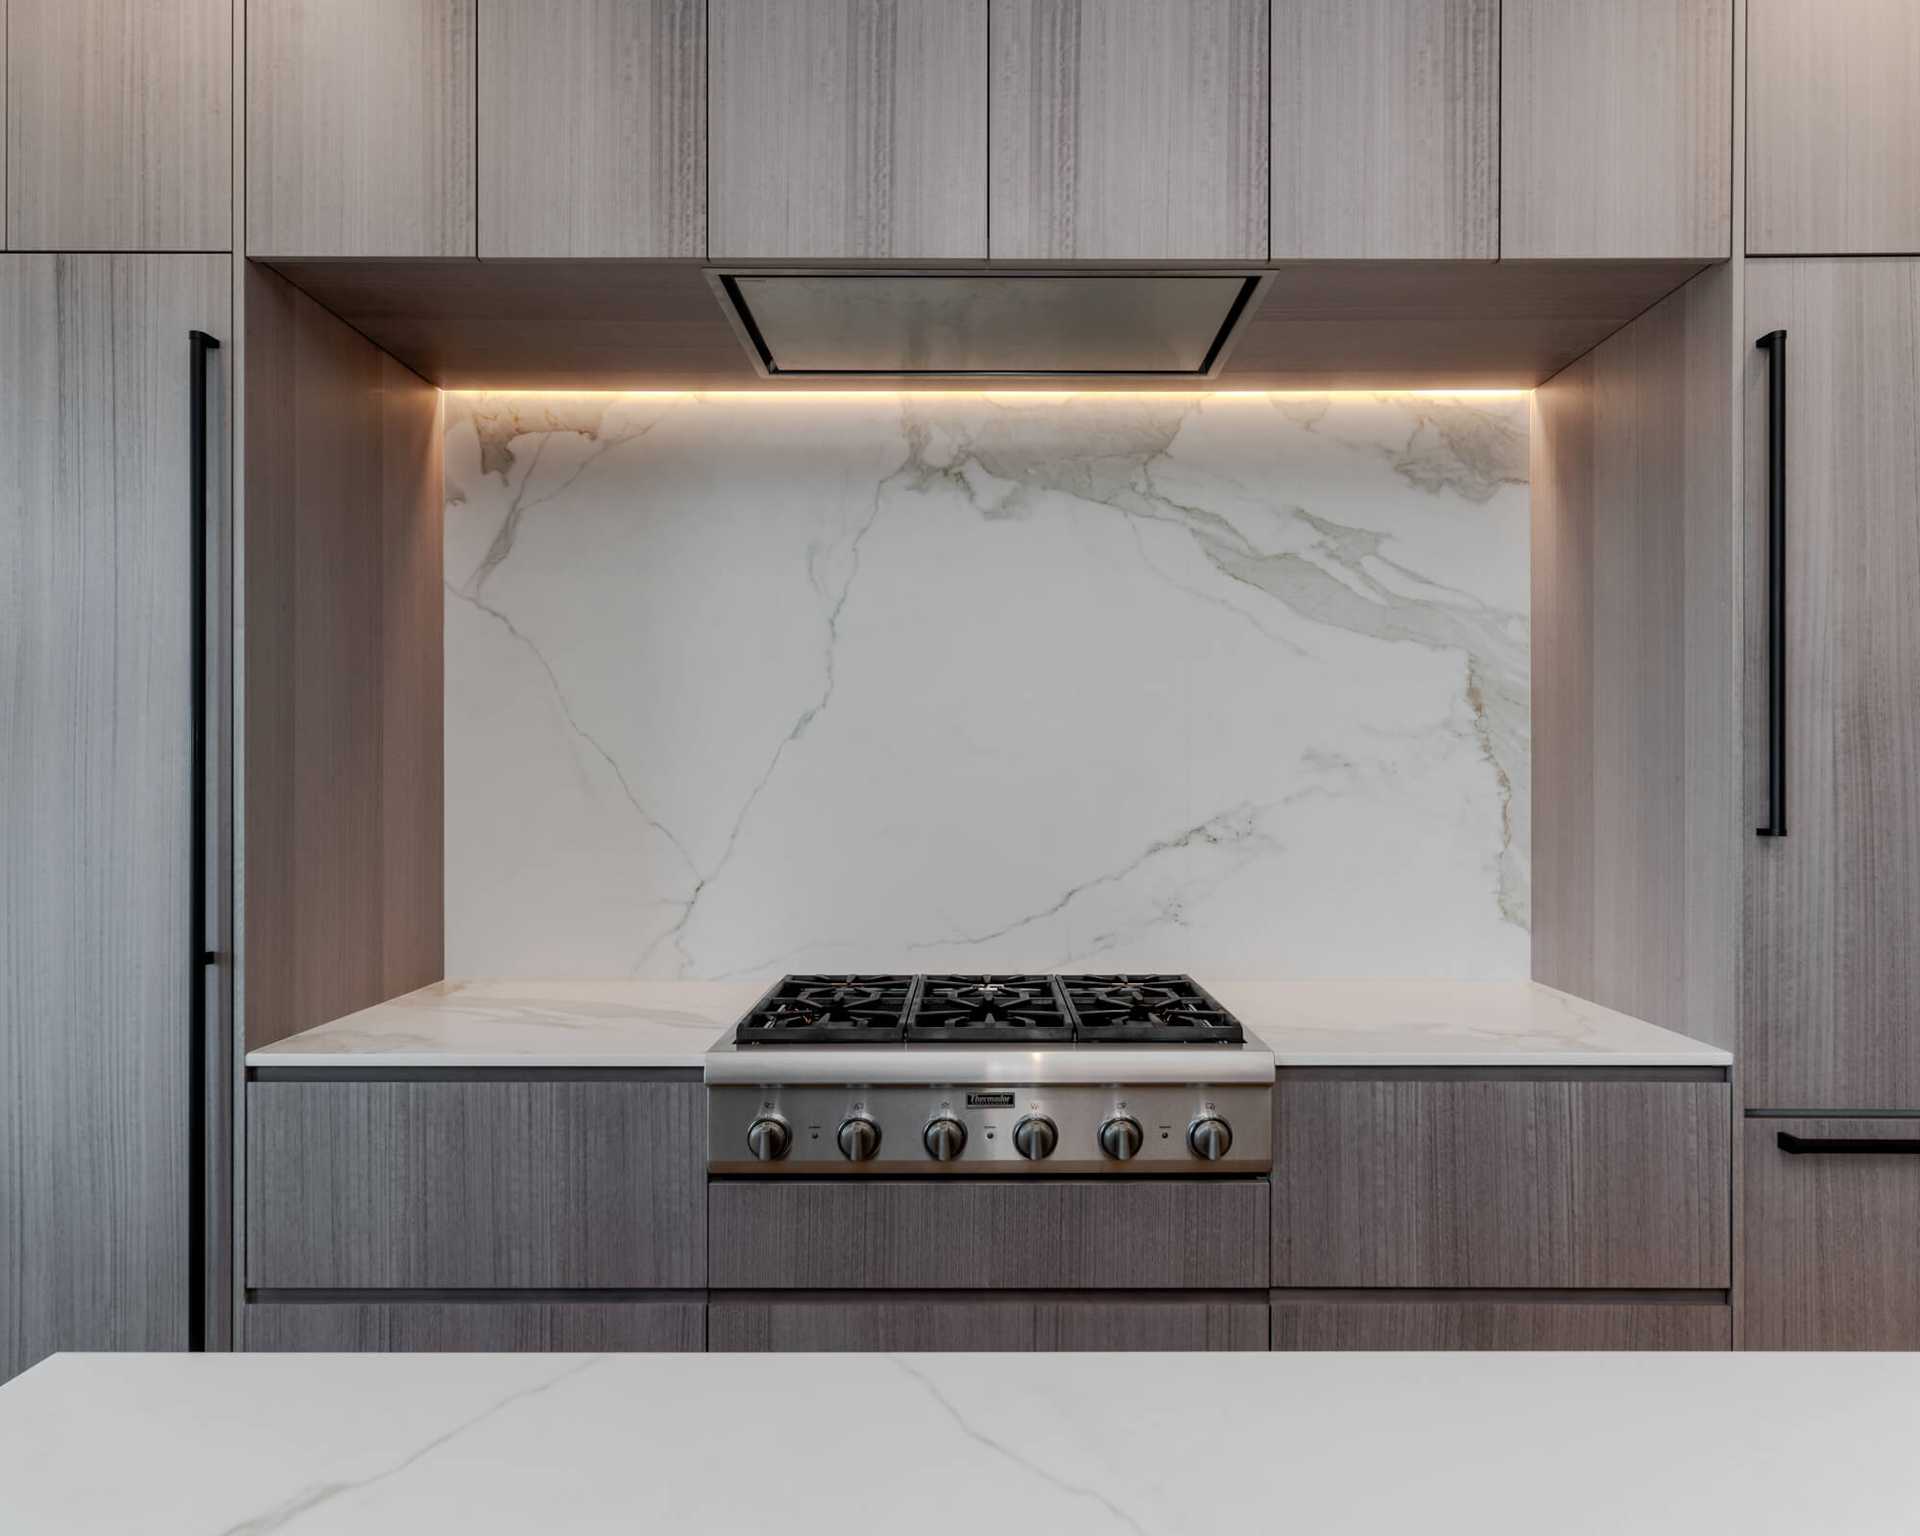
(95, 796)
(1386, 130)
(489, 1184)
(1616, 129)
(1496, 1320)
(848, 130)
(1830, 1000)
(757, 1322)
(498, 1324)
(360, 127)
(593, 128)
(118, 125)
(1129, 130)
(1832, 1234)
(1833, 127)
(1405, 1180)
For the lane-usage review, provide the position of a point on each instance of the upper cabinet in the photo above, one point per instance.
(1129, 130)
(1833, 127)
(848, 130)
(1616, 128)
(593, 128)
(119, 127)
(1386, 129)
(360, 127)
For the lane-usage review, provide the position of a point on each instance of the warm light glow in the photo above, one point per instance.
(1051, 396)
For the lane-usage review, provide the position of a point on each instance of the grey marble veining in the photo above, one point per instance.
(1230, 683)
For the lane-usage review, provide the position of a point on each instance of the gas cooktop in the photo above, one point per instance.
(987, 1010)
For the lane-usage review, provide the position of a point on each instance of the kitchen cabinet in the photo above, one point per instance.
(1831, 968)
(593, 128)
(360, 127)
(497, 1324)
(119, 133)
(1832, 1234)
(1616, 128)
(848, 130)
(1833, 127)
(1572, 1182)
(1451, 1320)
(828, 1234)
(97, 794)
(1129, 130)
(1386, 130)
(476, 1184)
(783, 1321)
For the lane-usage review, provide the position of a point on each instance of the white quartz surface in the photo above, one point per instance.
(1333, 1444)
(525, 1024)
(671, 1023)
(1449, 1024)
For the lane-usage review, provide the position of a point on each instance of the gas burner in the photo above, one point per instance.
(996, 1009)
(831, 1010)
(1147, 1010)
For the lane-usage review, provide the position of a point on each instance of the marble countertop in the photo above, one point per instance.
(1336, 1444)
(671, 1023)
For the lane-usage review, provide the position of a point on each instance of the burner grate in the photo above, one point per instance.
(1147, 1010)
(831, 1010)
(991, 1010)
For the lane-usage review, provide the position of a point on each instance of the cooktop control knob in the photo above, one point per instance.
(945, 1136)
(1120, 1137)
(859, 1138)
(1209, 1137)
(1035, 1137)
(769, 1138)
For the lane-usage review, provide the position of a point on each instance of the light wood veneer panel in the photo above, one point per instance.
(1833, 126)
(1616, 128)
(1129, 130)
(848, 129)
(492, 1184)
(593, 128)
(360, 127)
(1386, 129)
(1501, 1182)
(118, 125)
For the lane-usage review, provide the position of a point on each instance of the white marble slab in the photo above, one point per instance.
(1438, 1022)
(525, 1023)
(953, 1445)
(1233, 684)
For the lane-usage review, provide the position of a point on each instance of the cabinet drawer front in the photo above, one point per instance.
(481, 1327)
(1501, 1181)
(475, 1184)
(1011, 1234)
(1516, 1321)
(856, 1321)
(1832, 1239)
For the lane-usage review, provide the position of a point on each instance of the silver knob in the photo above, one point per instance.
(1035, 1137)
(1209, 1137)
(768, 1138)
(859, 1138)
(944, 1138)
(1120, 1137)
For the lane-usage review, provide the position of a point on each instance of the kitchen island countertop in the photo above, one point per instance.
(670, 1024)
(1328, 1443)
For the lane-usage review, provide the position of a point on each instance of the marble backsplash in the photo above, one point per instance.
(1234, 684)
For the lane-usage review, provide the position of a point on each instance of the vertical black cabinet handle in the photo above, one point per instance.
(1774, 344)
(199, 345)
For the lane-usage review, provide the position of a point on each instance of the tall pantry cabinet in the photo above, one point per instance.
(1830, 991)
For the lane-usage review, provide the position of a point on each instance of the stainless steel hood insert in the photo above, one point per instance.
(987, 324)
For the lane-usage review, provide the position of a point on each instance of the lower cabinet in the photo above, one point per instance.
(857, 1320)
(1498, 1320)
(1831, 1227)
(503, 1324)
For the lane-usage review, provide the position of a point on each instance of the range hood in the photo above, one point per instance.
(971, 325)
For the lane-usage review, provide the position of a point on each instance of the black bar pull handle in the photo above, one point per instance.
(1774, 344)
(1865, 1146)
(199, 346)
